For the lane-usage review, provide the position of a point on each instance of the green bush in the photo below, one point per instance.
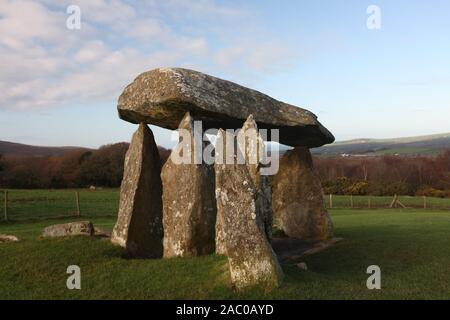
(358, 188)
(346, 186)
(337, 186)
(432, 192)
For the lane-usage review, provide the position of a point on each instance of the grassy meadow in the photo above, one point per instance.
(409, 245)
(31, 205)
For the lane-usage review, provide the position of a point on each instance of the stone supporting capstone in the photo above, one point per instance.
(297, 198)
(139, 224)
(252, 261)
(251, 146)
(189, 205)
(220, 159)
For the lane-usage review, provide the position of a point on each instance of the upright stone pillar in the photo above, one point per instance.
(139, 223)
(252, 261)
(251, 146)
(297, 198)
(189, 203)
(220, 160)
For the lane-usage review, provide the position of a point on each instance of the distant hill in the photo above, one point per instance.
(422, 145)
(24, 150)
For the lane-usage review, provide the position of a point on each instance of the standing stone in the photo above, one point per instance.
(220, 159)
(297, 198)
(139, 223)
(189, 204)
(251, 259)
(251, 146)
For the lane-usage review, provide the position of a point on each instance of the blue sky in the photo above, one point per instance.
(60, 86)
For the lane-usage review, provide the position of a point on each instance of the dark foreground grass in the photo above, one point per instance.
(410, 246)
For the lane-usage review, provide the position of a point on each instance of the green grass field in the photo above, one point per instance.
(44, 204)
(28, 205)
(411, 246)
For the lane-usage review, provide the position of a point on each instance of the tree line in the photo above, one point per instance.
(76, 169)
(380, 175)
(386, 175)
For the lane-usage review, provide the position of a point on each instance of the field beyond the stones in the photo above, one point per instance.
(411, 246)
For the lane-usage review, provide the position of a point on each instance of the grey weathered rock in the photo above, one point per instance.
(189, 205)
(102, 233)
(8, 238)
(78, 228)
(162, 97)
(302, 266)
(289, 249)
(252, 148)
(297, 198)
(139, 223)
(322, 246)
(220, 159)
(251, 259)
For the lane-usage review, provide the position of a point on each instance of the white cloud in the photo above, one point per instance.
(43, 64)
(23, 21)
(91, 51)
(260, 56)
(203, 9)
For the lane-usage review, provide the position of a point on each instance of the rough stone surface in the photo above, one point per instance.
(189, 204)
(322, 246)
(220, 148)
(102, 233)
(139, 223)
(8, 238)
(288, 249)
(251, 259)
(162, 97)
(297, 198)
(302, 266)
(251, 145)
(78, 228)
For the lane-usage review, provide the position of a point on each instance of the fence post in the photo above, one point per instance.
(77, 198)
(331, 201)
(351, 201)
(424, 202)
(6, 205)
(369, 202)
(394, 201)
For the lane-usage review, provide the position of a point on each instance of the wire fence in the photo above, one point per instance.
(24, 205)
(373, 202)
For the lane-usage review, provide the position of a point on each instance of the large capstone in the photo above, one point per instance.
(162, 97)
(139, 223)
(189, 203)
(251, 147)
(252, 261)
(297, 198)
